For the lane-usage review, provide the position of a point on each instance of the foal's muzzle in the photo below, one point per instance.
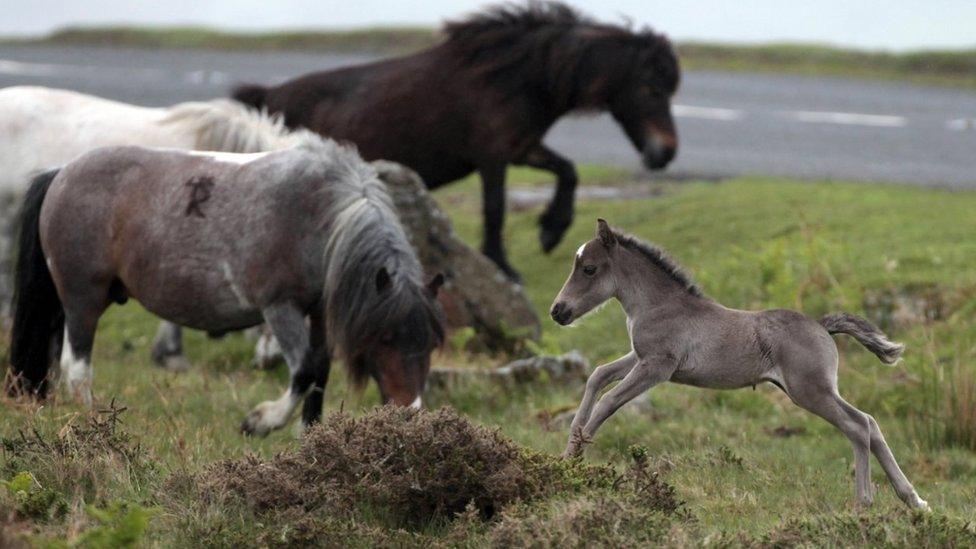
(561, 314)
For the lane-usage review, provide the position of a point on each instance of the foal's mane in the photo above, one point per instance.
(660, 259)
(228, 126)
(558, 50)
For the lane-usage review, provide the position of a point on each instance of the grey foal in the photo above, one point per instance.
(679, 335)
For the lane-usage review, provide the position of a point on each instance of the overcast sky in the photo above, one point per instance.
(891, 24)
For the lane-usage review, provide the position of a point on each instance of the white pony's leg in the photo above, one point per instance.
(76, 372)
(167, 349)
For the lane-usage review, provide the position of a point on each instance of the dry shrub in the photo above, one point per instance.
(638, 509)
(401, 466)
(85, 456)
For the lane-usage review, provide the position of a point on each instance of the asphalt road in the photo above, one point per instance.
(729, 123)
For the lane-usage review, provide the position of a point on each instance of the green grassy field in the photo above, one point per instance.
(902, 256)
(950, 68)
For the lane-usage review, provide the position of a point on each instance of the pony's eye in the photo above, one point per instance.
(589, 270)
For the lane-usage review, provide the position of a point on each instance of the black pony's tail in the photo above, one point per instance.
(38, 327)
(866, 334)
(252, 95)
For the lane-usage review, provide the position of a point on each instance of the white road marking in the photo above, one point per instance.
(848, 118)
(707, 113)
(961, 124)
(8, 66)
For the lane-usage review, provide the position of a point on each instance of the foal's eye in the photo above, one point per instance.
(589, 270)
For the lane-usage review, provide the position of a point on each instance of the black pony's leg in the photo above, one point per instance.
(493, 207)
(167, 350)
(559, 214)
(314, 372)
(288, 324)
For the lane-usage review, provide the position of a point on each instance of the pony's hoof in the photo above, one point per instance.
(550, 237)
(176, 363)
(254, 425)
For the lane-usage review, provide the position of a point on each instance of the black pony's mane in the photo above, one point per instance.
(559, 50)
(660, 259)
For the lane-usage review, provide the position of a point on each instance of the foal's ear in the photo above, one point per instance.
(435, 284)
(383, 279)
(605, 234)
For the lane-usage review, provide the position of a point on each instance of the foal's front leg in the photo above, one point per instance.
(600, 378)
(287, 323)
(644, 375)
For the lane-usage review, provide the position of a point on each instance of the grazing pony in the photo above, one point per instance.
(220, 242)
(485, 97)
(46, 127)
(679, 335)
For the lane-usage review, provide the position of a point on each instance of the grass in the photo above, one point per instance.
(949, 68)
(896, 254)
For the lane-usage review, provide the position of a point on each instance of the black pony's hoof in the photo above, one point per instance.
(502, 263)
(512, 274)
(551, 234)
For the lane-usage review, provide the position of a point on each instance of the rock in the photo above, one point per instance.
(475, 293)
(568, 368)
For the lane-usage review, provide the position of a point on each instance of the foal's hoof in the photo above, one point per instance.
(920, 504)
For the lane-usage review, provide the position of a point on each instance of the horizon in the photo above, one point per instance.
(896, 26)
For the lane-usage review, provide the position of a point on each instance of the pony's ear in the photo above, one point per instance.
(605, 233)
(435, 284)
(383, 279)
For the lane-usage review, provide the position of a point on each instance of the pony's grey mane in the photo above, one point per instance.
(228, 126)
(365, 236)
(660, 259)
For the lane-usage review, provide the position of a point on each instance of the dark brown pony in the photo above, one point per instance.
(485, 97)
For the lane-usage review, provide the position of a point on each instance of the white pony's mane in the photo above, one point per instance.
(228, 126)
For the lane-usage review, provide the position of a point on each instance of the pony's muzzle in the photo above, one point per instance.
(659, 151)
(561, 313)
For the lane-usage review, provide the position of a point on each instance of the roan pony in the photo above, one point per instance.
(49, 127)
(221, 242)
(485, 97)
(679, 335)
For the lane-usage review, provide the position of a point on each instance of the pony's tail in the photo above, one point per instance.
(866, 334)
(38, 314)
(252, 95)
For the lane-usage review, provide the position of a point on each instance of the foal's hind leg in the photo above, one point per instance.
(288, 324)
(817, 392)
(898, 480)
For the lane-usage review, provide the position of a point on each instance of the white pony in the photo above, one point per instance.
(42, 128)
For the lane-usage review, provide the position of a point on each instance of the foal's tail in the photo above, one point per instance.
(252, 95)
(866, 333)
(38, 314)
